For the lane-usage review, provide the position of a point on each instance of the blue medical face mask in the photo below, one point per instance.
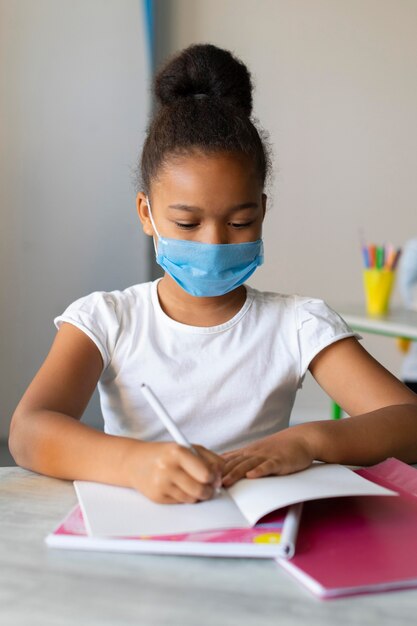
(207, 269)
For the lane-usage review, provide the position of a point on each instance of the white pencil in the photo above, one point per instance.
(169, 423)
(290, 531)
(166, 419)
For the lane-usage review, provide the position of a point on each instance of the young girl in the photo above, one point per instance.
(225, 359)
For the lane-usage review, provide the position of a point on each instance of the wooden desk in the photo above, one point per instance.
(44, 587)
(398, 323)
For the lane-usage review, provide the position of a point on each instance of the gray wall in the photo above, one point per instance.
(74, 100)
(336, 87)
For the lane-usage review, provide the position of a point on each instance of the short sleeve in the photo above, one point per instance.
(318, 326)
(96, 315)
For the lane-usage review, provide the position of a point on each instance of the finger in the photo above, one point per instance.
(278, 467)
(237, 460)
(215, 461)
(231, 468)
(240, 470)
(179, 496)
(266, 468)
(167, 500)
(162, 499)
(231, 463)
(195, 491)
(231, 454)
(196, 466)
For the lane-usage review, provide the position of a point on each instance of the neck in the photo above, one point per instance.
(193, 311)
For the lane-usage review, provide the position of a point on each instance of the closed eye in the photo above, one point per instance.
(241, 225)
(184, 226)
(236, 225)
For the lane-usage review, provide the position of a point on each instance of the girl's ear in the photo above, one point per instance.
(264, 199)
(143, 212)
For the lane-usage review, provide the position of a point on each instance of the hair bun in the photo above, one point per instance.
(205, 70)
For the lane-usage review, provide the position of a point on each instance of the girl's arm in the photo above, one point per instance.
(383, 410)
(46, 434)
(383, 422)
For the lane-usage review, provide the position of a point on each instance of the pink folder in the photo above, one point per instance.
(363, 544)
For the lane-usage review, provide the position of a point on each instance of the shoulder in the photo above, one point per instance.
(308, 309)
(312, 321)
(302, 308)
(318, 326)
(103, 315)
(114, 303)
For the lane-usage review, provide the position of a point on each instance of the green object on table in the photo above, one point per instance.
(336, 411)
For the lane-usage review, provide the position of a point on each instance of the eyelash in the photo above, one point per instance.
(191, 226)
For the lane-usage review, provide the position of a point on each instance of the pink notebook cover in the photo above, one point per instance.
(261, 541)
(364, 544)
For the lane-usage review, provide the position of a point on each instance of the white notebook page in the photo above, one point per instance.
(256, 498)
(120, 512)
(110, 511)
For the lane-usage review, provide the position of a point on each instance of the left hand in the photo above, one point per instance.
(285, 452)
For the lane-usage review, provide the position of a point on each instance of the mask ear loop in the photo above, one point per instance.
(153, 226)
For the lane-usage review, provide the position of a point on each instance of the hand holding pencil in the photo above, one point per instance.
(172, 473)
(292, 520)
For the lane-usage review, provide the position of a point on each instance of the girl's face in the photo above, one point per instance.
(210, 198)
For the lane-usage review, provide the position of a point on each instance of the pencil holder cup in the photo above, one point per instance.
(378, 284)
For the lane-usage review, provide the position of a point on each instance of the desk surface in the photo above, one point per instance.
(398, 323)
(46, 587)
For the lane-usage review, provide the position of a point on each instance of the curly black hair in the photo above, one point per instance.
(204, 96)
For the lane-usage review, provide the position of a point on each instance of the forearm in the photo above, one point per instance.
(57, 445)
(60, 446)
(365, 439)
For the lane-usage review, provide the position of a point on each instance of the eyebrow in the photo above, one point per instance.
(192, 209)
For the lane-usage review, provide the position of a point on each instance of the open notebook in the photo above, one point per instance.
(115, 518)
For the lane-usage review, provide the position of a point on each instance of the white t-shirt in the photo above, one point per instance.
(226, 385)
